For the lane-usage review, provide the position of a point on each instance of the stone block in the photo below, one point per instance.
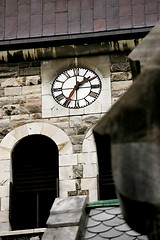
(59, 111)
(77, 139)
(5, 165)
(47, 130)
(4, 190)
(104, 69)
(121, 85)
(19, 99)
(12, 82)
(61, 233)
(27, 90)
(47, 102)
(90, 170)
(117, 58)
(66, 172)
(4, 153)
(6, 100)
(4, 216)
(33, 80)
(4, 227)
(93, 108)
(71, 204)
(29, 71)
(33, 105)
(1, 92)
(64, 219)
(68, 160)
(5, 203)
(106, 83)
(63, 142)
(75, 121)
(46, 88)
(34, 128)
(8, 141)
(120, 67)
(13, 91)
(90, 183)
(93, 195)
(67, 185)
(119, 76)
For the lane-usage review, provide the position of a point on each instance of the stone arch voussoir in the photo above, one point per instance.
(56, 134)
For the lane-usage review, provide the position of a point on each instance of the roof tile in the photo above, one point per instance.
(92, 223)
(74, 17)
(61, 5)
(102, 216)
(111, 234)
(112, 18)
(74, 10)
(138, 15)
(101, 226)
(86, 4)
(11, 8)
(89, 235)
(99, 229)
(61, 23)
(99, 9)
(86, 20)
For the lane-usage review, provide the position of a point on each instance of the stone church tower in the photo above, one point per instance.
(62, 65)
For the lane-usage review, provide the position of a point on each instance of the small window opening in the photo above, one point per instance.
(34, 186)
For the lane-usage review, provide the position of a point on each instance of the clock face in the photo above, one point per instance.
(76, 88)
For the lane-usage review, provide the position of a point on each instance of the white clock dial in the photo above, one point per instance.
(76, 88)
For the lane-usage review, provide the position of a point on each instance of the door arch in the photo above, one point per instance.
(35, 177)
(11, 140)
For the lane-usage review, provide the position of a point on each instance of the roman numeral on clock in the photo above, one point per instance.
(93, 94)
(66, 103)
(60, 97)
(95, 86)
(57, 89)
(77, 104)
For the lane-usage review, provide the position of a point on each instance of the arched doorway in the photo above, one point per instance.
(35, 178)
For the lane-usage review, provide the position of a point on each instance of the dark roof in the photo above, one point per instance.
(108, 223)
(29, 20)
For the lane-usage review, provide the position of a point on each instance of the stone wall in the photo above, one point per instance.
(23, 88)
(20, 95)
(121, 77)
(21, 99)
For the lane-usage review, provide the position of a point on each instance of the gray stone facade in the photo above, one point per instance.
(27, 107)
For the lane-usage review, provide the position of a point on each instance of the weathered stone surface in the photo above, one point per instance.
(6, 100)
(121, 85)
(33, 80)
(26, 90)
(13, 91)
(68, 205)
(11, 110)
(12, 82)
(29, 71)
(118, 76)
(78, 171)
(61, 233)
(78, 193)
(119, 67)
(78, 184)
